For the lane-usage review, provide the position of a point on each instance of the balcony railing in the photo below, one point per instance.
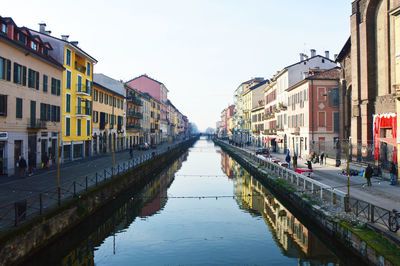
(134, 114)
(135, 100)
(133, 126)
(80, 67)
(82, 110)
(83, 90)
(295, 131)
(36, 124)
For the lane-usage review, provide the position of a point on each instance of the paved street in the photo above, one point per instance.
(15, 188)
(381, 193)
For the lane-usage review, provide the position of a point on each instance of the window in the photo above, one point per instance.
(67, 126)
(321, 94)
(18, 108)
(321, 119)
(45, 51)
(58, 116)
(8, 75)
(79, 105)
(3, 105)
(33, 78)
(34, 46)
(101, 97)
(3, 68)
(53, 113)
(336, 122)
(68, 58)
(96, 95)
(45, 81)
(78, 127)
(68, 83)
(18, 75)
(106, 98)
(333, 95)
(88, 127)
(22, 37)
(4, 28)
(79, 85)
(53, 86)
(68, 103)
(88, 71)
(88, 87)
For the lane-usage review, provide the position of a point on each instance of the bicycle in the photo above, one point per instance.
(394, 221)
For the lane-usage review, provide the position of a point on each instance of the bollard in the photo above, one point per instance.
(86, 179)
(74, 189)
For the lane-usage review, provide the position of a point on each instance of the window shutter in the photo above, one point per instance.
(58, 114)
(42, 118)
(8, 70)
(24, 76)
(58, 87)
(37, 80)
(15, 73)
(48, 117)
(19, 108)
(45, 83)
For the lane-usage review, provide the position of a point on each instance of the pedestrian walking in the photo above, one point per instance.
(393, 174)
(321, 161)
(288, 159)
(368, 174)
(22, 166)
(294, 161)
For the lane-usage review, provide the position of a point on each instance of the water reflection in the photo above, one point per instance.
(294, 239)
(148, 202)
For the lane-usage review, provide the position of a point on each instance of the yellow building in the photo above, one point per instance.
(155, 113)
(108, 114)
(76, 112)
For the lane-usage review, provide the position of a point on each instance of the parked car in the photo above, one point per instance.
(261, 151)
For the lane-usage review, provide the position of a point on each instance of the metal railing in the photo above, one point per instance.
(325, 195)
(36, 124)
(12, 214)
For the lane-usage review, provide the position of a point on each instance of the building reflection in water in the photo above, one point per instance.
(293, 238)
(151, 200)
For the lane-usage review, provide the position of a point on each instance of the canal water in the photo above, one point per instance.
(203, 210)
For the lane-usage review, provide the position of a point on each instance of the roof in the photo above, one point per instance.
(330, 74)
(308, 59)
(345, 50)
(66, 42)
(144, 75)
(258, 85)
(110, 84)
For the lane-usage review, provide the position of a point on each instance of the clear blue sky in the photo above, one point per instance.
(200, 49)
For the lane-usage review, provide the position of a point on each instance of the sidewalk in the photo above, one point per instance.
(381, 194)
(15, 188)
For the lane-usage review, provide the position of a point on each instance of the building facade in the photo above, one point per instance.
(108, 115)
(77, 104)
(134, 116)
(30, 98)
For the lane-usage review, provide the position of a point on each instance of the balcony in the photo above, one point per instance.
(135, 100)
(295, 131)
(132, 113)
(131, 126)
(83, 111)
(80, 67)
(83, 90)
(36, 124)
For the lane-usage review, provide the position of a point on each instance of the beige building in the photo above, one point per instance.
(108, 114)
(30, 98)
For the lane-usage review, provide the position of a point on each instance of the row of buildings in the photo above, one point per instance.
(50, 97)
(319, 104)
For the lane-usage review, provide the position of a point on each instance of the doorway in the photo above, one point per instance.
(3, 161)
(17, 151)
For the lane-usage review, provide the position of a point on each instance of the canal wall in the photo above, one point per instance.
(348, 239)
(29, 237)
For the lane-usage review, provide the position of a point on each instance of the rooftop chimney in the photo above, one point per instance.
(75, 43)
(313, 52)
(327, 54)
(65, 37)
(42, 28)
(301, 57)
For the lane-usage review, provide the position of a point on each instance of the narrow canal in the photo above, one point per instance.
(203, 209)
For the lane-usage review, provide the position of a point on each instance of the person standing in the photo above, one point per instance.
(393, 174)
(22, 166)
(368, 174)
(288, 159)
(321, 161)
(295, 161)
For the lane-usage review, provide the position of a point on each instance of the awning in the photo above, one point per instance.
(268, 139)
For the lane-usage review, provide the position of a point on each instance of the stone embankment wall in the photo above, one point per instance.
(29, 237)
(351, 244)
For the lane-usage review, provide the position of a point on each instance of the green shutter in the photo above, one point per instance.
(24, 76)
(67, 126)
(42, 112)
(78, 126)
(88, 127)
(37, 80)
(15, 73)
(58, 87)
(58, 114)
(68, 80)
(68, 108)
(8, 70)
(45, 78)
(19, 108)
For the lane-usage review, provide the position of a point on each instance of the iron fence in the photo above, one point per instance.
(12, 214)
